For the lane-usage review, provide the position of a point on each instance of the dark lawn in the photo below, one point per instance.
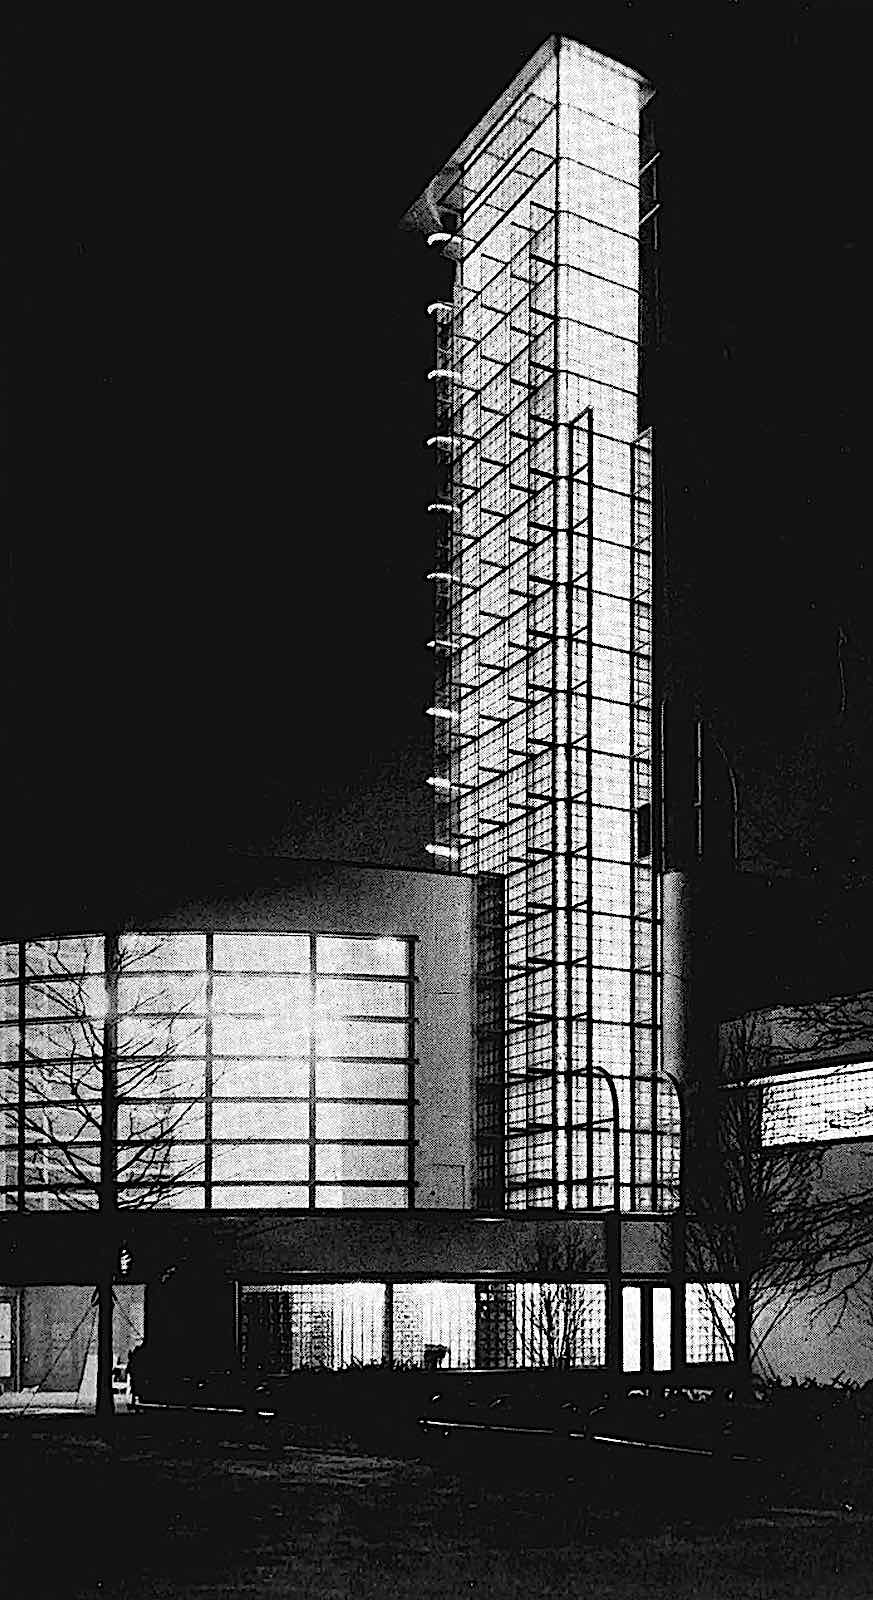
(167, 1513)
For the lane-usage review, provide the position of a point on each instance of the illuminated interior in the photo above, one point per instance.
(547, 748)
(444, 1324)
(253, 1069)
(709, 1321)
(818, 1105)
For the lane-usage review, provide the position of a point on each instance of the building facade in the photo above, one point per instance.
(362, 1116)
(544, 613)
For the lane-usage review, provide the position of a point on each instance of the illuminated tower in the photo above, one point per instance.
(543, 600)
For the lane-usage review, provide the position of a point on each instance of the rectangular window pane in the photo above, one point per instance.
(144, 994)
(69, 998)
(256, 1079)
(180, 1196)
(332, 1196)
(369, 1121)
(439, 1317)
(72, 958)
(818, 1104)
(338, 1162)
(160, 1120)
(709, 1321)
(277, 1162)
(631, 1328)
(661, 1322)
(231, 1195)
(8, 961)
(282, 996)
(558, 1324)
(52, 1041)
(258, 1036)
(260, 952)
(377, 999)
(336, 1037)
(163, 952)
(365, 1081)
(180, 1035)
(268, 1120)
(351, 955)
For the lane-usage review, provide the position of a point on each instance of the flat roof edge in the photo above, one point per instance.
(420, 214)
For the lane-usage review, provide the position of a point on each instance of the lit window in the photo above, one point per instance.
(818, 1104)
(288, 1326)
(236, 1045)
(435, 1323)
(709, 1321)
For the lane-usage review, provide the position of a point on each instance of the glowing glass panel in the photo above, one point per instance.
(818, 1104)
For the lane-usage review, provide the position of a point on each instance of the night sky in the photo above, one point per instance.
(219, 408)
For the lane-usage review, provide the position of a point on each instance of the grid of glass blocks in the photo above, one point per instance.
(709, 1321)
(818, 1104)
(253, 1069)
(491, 1324)
(543, 595)
(284, 1327)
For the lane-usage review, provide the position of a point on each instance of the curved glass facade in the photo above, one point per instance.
(250, 1069)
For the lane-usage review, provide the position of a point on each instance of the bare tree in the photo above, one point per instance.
(112, 1090)
(757, 1218)
(551, 1316)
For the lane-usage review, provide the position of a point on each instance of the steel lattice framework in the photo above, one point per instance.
(543, 604)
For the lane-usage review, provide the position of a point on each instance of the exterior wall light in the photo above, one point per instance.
(443, 372)
(441, 438)
(439, 238)
(442, 850)
(439, 305)
(441, 711)
(441, 505)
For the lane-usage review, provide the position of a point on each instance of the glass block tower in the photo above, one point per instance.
(542, 505)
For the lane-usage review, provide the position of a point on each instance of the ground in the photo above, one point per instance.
(166, 1511)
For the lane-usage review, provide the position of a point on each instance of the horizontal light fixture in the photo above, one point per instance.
(445, 577)
(439, 238)
(442, 644)
(442, 712)
(439, 305)
(441, 438)
(441, 505)
(440, 783)
(442, 850)
(443, 372)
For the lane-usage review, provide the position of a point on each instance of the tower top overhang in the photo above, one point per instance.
(425, 214)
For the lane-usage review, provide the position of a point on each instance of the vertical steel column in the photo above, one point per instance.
(589, 811)
(313, 1047)
(208, 1084)
(633, 797)
(410, 1078)
(22, 1077)
(556, 577)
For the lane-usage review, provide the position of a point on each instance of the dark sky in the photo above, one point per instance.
(219, 409)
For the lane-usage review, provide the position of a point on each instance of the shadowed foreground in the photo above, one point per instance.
(166, 1513)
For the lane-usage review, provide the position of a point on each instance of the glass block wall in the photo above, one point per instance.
(543, 614)
(253, 1069)
(453, 1324)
